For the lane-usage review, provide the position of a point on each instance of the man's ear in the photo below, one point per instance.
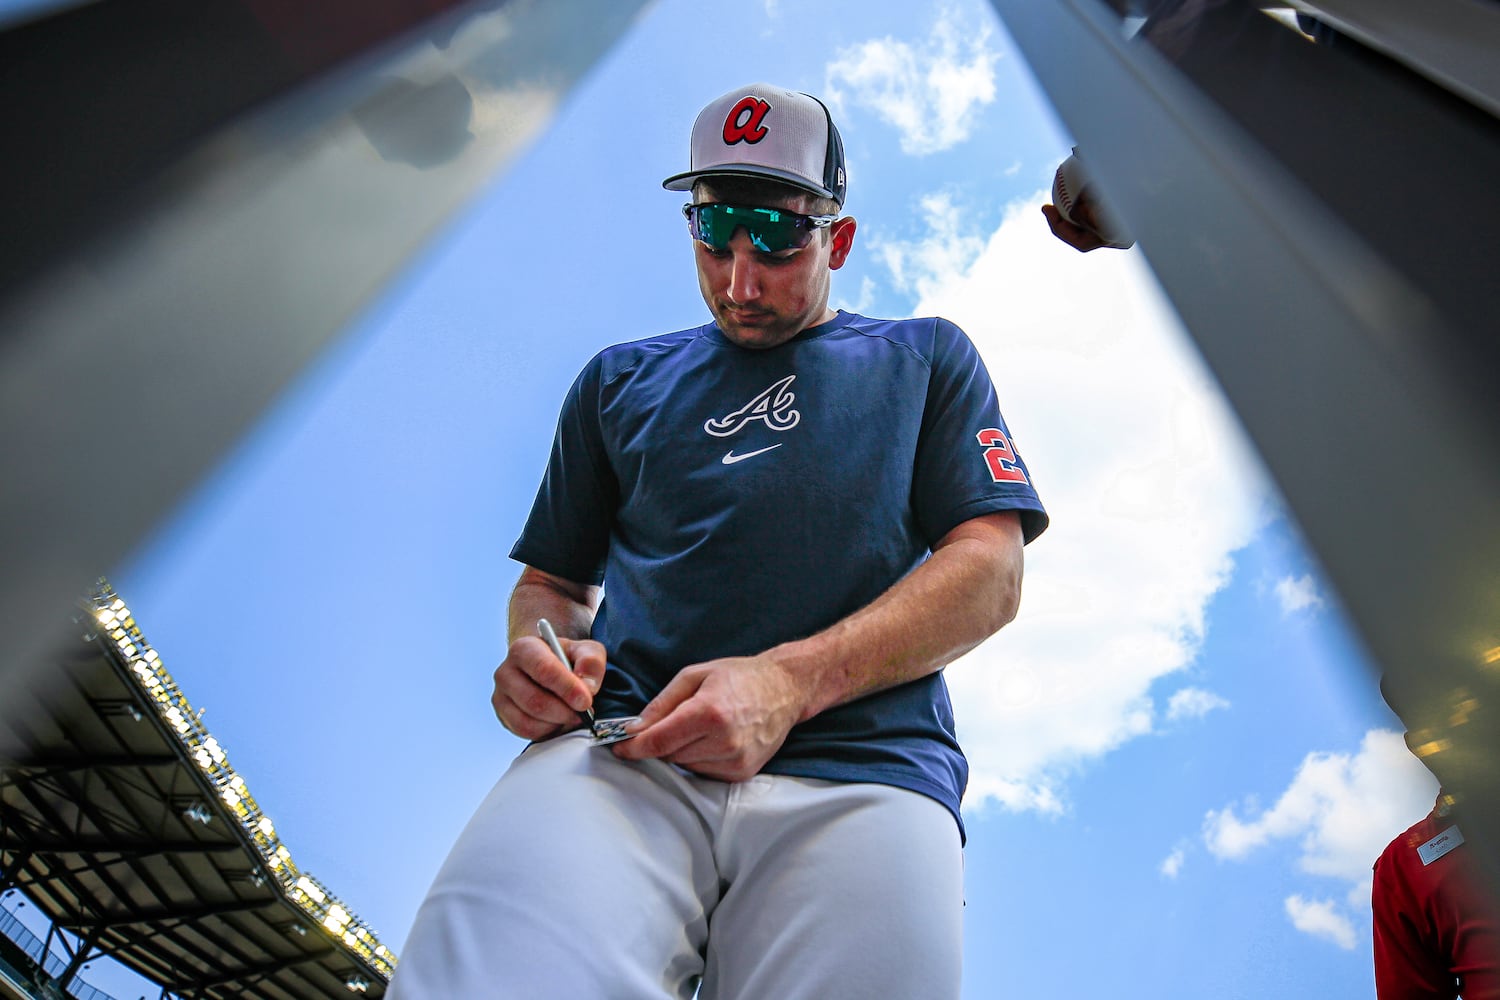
(841, 236)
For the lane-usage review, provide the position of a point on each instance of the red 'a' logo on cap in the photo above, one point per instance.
(743, 123)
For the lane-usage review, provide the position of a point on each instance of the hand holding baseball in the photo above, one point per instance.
(1078, 215)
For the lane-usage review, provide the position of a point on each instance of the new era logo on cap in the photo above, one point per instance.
(767, 131)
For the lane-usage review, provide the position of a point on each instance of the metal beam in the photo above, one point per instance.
(1282, 192)
(172, 917)
(251, 972)
(245, 245)
(126, 850)
(83, 953)
(1453, 42)
(45, 811)
(42, 768)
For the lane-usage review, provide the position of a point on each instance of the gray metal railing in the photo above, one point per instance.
(51, 966)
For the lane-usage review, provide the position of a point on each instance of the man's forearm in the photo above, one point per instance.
(568, 605)
(537, 694)
(964, 593)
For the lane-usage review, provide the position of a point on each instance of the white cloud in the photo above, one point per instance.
(1341, 809)
(862, 304)
(929, 90)
(1322, 919)
(1172, 865)
(923, 266)
(1149, 481)
(1193, 703)
(1298, 594)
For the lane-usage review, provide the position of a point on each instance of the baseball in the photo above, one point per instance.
(1079, 202)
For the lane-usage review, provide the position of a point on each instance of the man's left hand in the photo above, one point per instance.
(1079, 238)
(722, 719)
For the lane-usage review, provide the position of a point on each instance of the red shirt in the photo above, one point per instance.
(1437, 925)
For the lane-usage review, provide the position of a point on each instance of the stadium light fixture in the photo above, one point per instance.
(197, 810)
(120, 708)
(172, 707)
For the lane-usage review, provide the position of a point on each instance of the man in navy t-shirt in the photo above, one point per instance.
(765, 537)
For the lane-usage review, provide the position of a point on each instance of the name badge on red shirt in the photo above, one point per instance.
(1440, 845)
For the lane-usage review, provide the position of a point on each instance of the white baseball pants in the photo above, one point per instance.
(581, 875)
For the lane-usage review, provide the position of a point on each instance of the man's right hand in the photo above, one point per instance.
(537, 696)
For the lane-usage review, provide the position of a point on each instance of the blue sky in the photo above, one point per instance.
(1182, 769)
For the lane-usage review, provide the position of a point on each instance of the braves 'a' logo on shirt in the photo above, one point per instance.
(773, 406)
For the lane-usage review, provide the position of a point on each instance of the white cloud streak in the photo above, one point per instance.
(1296, 594)
(862, 304)
(929, 91)
(1193, 703)
(924, 266)
(1322, 919)
(1171, 866)
(1149, 481)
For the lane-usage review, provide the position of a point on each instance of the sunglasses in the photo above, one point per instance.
(770, 229)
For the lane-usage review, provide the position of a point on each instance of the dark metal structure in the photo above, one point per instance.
(199, 197)
(122, 821)
(1315, 194)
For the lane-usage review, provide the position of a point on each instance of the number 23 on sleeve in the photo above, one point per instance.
(1001, 457)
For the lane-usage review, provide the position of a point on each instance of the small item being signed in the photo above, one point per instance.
(607, 731)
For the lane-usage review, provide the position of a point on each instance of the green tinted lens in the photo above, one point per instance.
(769, 229)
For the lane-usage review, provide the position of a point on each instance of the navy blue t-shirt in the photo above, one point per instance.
(731, 499)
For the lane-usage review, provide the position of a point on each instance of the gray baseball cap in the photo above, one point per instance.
(769, 132)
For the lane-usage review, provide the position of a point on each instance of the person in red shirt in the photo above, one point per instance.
(1434, 899)
(1437, 925)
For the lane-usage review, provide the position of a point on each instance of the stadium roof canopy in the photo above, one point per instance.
(122, 821)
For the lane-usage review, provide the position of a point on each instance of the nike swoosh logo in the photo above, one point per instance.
(730, 457)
